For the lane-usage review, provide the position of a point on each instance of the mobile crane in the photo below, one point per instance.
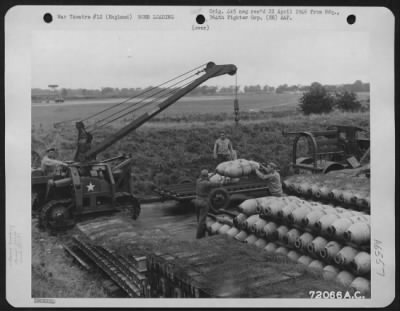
(87, 186)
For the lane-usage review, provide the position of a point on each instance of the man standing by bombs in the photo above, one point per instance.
(202, 203)
(223, 149)
(270, 174)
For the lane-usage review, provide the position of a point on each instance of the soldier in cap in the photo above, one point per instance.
(202, 203)
(49, 162)
(270, 174)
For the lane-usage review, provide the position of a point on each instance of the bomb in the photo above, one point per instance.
(313, 190)
(317, 245)
(209, 223)
(215, 227)
(358, 233)
(271, 247)
(298, 214)
(232, 232)
(345, 278)
(248, 207)
(260, 243)
(236, 168)
(346, 197)
(285, 212)
(303, 241)
(270, 231)
(251, 239)
(316, 265)
(311, 218)
(293, 255)
(335, 194)
(303, 189)
(239, 219)
(362, 285)
(224, 229)
(282, 250)
(241, 236)
(272, 209)
(291, 237)
(345, 256)
(263, 202)
(322, 193)
(361, 263)
(305, 260)
(257, 228)
(330, 272)
(338, 227)
(324, 222)
(282, 232)
(330, 251)
(250, 221)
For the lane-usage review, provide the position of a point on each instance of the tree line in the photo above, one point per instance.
(110, 92)
(320, 99)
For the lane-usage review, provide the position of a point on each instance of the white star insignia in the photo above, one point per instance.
(90, 187)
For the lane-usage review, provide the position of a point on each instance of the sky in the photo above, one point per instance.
(127, 59)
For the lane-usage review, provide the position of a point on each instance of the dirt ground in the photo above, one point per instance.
(54, 274)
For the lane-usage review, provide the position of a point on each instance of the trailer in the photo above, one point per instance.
(221, 197)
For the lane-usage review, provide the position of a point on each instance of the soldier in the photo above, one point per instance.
(49, 162)
(272, 177)
(222, 149)
(202, 204)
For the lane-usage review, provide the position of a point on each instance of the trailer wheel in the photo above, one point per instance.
(219, 198)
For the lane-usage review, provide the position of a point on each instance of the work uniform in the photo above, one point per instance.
(49, 165)
(202, 203)
(222, 148)
(273, 182)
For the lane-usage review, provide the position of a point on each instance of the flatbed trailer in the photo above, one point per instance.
(219, 197)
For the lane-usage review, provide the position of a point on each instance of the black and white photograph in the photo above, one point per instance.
(190, 156)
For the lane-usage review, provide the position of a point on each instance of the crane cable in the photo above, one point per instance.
(141, 106)
(134, 106)
(236, 102)
(140, 94)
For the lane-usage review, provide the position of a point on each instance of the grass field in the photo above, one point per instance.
(166, 153)
(218, 105)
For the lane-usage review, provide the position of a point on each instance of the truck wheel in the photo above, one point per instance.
(219, 198)
(57, 215)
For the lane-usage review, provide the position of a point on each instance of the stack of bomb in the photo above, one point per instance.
(237, 168)
(358, 199)
(327, 238)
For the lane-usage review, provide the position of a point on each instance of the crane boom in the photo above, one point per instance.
(85, 152)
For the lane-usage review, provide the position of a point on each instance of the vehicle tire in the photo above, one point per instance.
(57, 215)
(219, 198)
